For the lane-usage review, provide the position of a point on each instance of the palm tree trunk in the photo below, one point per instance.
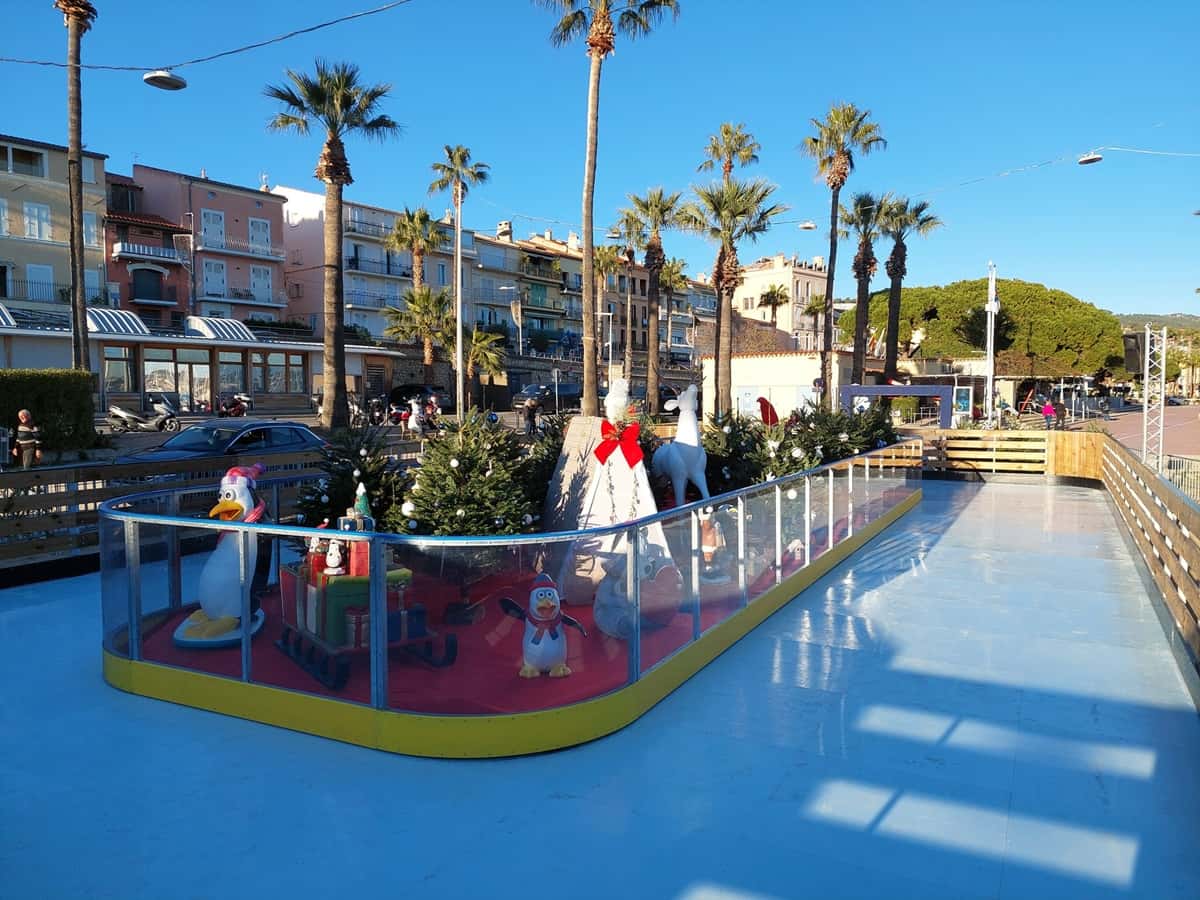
(652, 350)
(80, 356)
(418, 264)
(629, 325)
(590, 404)
(725, 374)
(459, 386)
(428, 359)
(334, 411)
(861, 306)
(827, 337)
(893, 324)
(774, 316)
(717, 285)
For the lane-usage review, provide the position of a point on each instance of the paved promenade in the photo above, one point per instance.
(980, 704)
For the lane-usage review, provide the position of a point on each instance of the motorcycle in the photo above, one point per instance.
(163, 418)
(237, 406)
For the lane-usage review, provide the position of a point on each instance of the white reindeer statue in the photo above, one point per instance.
(683, 459)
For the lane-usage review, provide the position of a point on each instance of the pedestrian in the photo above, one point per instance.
(1060, 415)
(28, 446)
(531, 411)
(1104, 409)
(1048, 414)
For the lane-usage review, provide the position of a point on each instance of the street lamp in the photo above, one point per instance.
(807, 225)
(165, 80)
(992, 307)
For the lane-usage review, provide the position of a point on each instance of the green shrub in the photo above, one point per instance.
(60, 401)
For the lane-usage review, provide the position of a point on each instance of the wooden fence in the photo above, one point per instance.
(52, 513)
(986, 452)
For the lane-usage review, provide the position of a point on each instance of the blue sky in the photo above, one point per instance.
(960, 90)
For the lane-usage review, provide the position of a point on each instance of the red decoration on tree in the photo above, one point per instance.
(626, 439)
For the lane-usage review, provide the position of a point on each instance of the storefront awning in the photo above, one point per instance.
(218, 329)
(114, 321)
(6, 319)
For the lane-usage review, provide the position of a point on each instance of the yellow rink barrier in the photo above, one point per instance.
(466, 736)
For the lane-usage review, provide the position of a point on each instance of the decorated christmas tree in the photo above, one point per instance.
(356, 456)
(469, 482)
(732, 443)
(537, 469)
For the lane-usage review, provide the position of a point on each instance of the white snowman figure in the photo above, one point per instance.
(335, 558)
(416, 416)
(544, 645)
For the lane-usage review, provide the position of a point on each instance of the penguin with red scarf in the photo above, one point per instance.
(544, 646)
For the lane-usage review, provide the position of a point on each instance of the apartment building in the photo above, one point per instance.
(238, 259)
(35, 225)
(803, 281)
(375, 278)
(146, 271)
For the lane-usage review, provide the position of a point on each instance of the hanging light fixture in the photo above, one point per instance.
(164, 79)
(1089, 158)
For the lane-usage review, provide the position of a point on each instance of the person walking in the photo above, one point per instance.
(1060, 415)
(531, 411)
(1048, 413)
(28, 446)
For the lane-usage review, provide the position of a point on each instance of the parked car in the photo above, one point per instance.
(222, 437)
(569, 396)
(637, 397)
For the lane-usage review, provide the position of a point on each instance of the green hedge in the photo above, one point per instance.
(61, 403)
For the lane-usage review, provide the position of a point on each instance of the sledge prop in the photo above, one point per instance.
(230, 638)
(327, 623)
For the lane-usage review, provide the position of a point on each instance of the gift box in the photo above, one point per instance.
(358, 627)
(353, 521)
(360, 558)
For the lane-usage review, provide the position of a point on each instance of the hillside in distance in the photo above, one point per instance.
(1173, 321)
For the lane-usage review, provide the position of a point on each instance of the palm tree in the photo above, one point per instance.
(458, 174)
(863, 219)
(656, 211)
(337, 101)
(772, 298)
(844, 131)
(731, 144)
(900, 218)
(593, 21)
(78, 16)
(728, 212)
(485, 356)
(426, 317)
(672, 281)
(607, 261)
(632, 235)
(419, 234)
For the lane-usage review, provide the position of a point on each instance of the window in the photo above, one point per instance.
(89, 170)
(441, 273)
(250, 442)
(231, 372)
(147, 284)
(3, 216)
(91, 286)
(118, 371)
(277, 373)
(91, 236)
(621, 283)
(285, 438)
(642, 287)
(121, 198)
(260, 237)
(37, 221)
(214, 278)
(260, 282)
(20, 161)
(212, 232)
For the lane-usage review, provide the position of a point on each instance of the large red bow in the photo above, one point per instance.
(626, 439)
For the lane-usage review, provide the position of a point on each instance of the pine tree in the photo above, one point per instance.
(732, 442)
(354, 456)
(537, 469)
(469, 483)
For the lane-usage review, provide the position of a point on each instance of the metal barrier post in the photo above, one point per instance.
(633, 591)
(829, 533)
(174, 563)
(850, 498)
(778, 535)
(275, 543)
(807, 519)
(697, 561)
(378, 624)
(741, 536)
(244, 539)
(133, 572)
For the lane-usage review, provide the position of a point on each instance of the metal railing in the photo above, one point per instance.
(549, 273)
(145, 251)
(228, 244)
(371, 229)
(371, 300)
(35, 291)
(1184, 473)
(378, 266)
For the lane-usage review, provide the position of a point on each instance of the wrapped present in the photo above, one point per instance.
(358, 627)
(316, 561)
(355, 521)
(360, 558)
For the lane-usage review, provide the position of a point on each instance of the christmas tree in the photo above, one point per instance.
(469, 482)
(732, 443)
(538, 467)
(354, 456)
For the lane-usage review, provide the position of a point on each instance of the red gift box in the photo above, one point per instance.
(316, 562)
(358, 627)
(360, 558)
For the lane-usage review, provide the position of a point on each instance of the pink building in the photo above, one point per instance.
(237, 235)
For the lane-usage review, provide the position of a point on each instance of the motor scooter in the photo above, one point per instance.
(163, 418)
(239, 405)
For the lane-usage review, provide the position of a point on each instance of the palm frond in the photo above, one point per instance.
(640, 19)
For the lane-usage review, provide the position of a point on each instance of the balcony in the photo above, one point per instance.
(543, 304)
(22, 291)
(245, 297)
(371, 300)
(366, 229)
(378, 267)
(237, 247)
(127, 250)
(495, 296)
(163, 295)
(543, 271)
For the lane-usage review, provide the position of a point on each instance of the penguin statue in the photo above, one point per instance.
(544, 646)
(217, 622)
